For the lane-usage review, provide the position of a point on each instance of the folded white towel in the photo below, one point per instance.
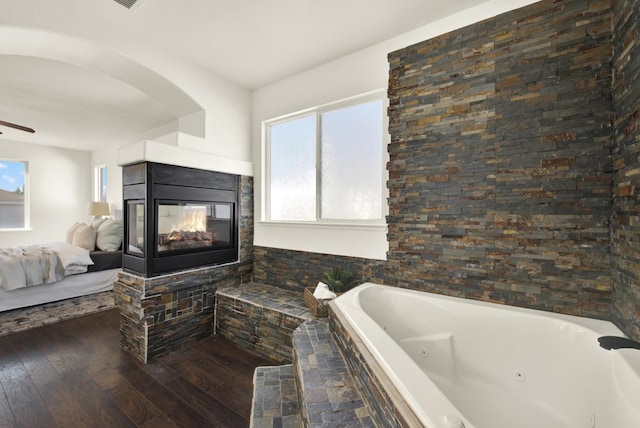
(322, 291)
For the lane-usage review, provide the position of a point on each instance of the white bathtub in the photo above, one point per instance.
(464, 363)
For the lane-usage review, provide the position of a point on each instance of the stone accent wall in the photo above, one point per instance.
(500, 162)
(160, 314)
(626, 165)
(295, 270)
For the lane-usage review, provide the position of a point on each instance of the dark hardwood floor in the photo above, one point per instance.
(74, 374)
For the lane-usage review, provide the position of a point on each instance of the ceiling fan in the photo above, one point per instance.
(14, 126)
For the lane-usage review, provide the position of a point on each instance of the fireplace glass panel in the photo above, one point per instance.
(135, 239)
(187, 226)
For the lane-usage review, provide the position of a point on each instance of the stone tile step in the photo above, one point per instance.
(327, 392)
(275, 398)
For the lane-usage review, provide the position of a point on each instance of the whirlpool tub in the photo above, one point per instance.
(445, 362)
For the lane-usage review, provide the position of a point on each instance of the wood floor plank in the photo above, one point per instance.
(6, 417)
(162, 422)
(221, 358)
(33, 360)
(172, 404)
(75, 374)
(226, 348)
(64, 406)
(104, 410)
(233, 398)
(217, 414)
(159, 371)
(198, 376)
(133, 403)
(23, 398)
(208, 362)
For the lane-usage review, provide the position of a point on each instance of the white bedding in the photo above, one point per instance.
(38, 265)
(71, 286)
(45, 273)
(30, 266)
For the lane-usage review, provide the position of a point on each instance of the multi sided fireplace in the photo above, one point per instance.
(178, 218)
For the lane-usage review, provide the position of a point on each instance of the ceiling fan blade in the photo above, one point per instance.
(20, 127)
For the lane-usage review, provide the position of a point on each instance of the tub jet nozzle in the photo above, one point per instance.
(617, 342)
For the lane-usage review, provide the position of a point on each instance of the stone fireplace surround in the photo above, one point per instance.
(160, 314)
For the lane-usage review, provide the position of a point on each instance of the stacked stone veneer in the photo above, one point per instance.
(500, 160)
(295, 270)
(160, 314)
(626, 164)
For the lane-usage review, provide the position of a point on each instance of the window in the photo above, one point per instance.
(13, 194)
(100, 183)
(326, 164)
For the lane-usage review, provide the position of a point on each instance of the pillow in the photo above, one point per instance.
(71, 231)
(84, 237)
(70, 255)
(96, 222)
(75, 270)
(109, 236)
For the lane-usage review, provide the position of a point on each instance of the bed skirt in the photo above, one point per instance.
(71, 286)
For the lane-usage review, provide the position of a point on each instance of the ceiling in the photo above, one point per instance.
(249, 42)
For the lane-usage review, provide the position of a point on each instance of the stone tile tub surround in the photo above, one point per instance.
(327, 392)
(501, 167)
(459, 358)
(386, 405)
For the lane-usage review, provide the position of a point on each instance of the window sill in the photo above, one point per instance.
(371, 226)
(22, 229)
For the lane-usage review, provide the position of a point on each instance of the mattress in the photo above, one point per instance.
(71, 286)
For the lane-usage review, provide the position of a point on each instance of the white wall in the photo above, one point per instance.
(226, 106)
(59, 188)
(227, 111)
(360, 72)
(214, 111)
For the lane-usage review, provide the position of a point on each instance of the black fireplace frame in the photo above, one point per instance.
(149, 183)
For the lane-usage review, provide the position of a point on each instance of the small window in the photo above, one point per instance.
(13, 195)
(101, 183)
(326, 164)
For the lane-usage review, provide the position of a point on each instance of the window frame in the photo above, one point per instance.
(26, 202)
(98, 182)
(318, 111)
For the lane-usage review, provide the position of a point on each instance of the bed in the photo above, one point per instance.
(52, 272)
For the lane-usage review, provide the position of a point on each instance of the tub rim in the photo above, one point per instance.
(401, 408)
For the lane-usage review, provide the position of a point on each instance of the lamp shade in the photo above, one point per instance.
(98, 209)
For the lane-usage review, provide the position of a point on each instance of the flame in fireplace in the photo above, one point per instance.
(188, 226)
(197, 222)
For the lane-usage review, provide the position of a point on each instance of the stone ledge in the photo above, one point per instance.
(275, 399)
(260, 318)
(269, 297)
(328, 394)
